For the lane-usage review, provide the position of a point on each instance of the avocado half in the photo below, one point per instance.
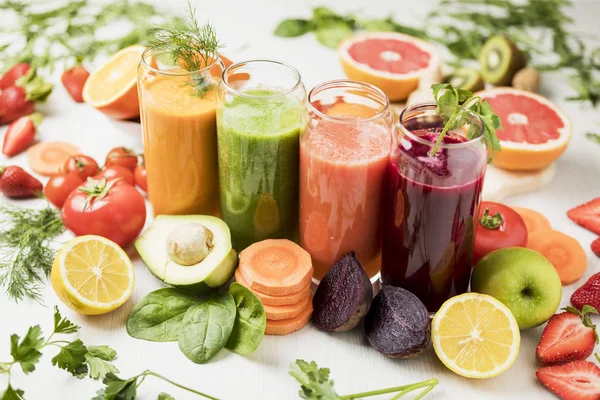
(211, 273)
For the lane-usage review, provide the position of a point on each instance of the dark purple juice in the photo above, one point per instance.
(429, 215)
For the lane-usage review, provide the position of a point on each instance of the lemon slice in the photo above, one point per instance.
(475, 336)
(92, 275)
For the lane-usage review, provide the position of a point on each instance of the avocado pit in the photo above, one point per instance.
(189, 244)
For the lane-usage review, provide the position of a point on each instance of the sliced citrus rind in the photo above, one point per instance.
(475, 336)
(92, 275)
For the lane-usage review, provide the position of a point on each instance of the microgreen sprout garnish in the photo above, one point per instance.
(193, 47)
(491, 221)
(455, 106)
(315, 384)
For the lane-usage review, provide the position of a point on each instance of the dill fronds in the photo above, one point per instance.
(26, 254)
(192, 47)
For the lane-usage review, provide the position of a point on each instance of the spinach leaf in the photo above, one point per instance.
(292, 28)
(250, 321)
(206, 328)
(333, 34)
(157, 317)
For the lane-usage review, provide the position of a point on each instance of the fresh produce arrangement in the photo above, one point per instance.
(265, 209)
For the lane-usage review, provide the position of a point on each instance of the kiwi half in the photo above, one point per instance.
(466, 78)
(499, 60)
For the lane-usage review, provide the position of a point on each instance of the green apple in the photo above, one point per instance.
(522, 279)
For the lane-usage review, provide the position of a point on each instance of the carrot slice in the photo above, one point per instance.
(534, 220)
(564, 252)
(47, 158)
(269, 300)
(285, 326)
(277, 267)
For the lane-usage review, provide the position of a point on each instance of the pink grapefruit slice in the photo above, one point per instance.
(535, 131)
(394, 62)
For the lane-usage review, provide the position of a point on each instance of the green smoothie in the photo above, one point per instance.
(258, 140)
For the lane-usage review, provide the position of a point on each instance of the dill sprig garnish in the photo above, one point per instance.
(26, 254)
(193, 47)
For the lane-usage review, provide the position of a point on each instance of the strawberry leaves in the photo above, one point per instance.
(585, 315)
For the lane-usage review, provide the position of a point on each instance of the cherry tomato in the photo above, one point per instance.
(123, 157)
(498, 226)
(140, 177)
(86, 166)
(114, 172)
(114, 210)
(60, 186)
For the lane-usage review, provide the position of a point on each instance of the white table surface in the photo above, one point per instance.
(246, 27)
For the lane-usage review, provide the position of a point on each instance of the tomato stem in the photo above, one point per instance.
(491, 222)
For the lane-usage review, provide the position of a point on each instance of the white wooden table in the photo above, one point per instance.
(246, 27)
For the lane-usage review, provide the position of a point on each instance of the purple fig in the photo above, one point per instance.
(343, 297)
(398, 323)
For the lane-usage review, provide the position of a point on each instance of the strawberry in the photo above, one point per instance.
(14, 73)
(587, 215)
(18, 100)
(569, 336)
(17, 183)
(596, 247)
(588, 293)
(73, 80)
(577, 380)
(20, 134)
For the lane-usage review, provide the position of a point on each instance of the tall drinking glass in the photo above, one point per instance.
(431, 204)
(178, 115)
(259, 118)
(344, 154)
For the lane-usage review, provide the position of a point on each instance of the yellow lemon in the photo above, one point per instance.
(92, 275)
(475, 336)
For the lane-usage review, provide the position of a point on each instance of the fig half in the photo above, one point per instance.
(398, 323)
(343, 297)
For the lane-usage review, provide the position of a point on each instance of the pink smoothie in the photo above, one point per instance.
(342, 175)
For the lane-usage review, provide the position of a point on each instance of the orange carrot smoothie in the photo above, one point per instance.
(180, 144)
(342, 176)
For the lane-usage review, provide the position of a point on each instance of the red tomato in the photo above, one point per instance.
(84, 165)
(115, 211)
(140, 177)
(498, 226)
(60, 186)
(123, 157)
(115, 172)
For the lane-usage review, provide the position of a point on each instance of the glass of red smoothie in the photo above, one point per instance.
(344, 157)
(430, 204)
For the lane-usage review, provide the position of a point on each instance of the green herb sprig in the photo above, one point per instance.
(316, 384)
(26, 252)
(454, 106)
(192, 47)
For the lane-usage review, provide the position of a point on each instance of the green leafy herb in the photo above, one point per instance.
(157, 317)
(594, 137)
(206, 328)
(250, 320)
(12, 394)
(26, 254)
(316, 384)
(99, 359)
(165, 396)
(292, 28)
(192, 47)
(455, 106)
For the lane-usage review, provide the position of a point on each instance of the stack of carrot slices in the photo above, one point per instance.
(279, 273)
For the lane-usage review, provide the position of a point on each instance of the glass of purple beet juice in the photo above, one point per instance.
(431, 203)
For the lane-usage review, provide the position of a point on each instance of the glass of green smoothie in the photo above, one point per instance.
(259, 118)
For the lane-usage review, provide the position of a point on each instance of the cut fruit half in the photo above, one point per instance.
(499, 60)
(112, 89)
(92, 275)
(475, 336)
(535, 131)
(394, 62)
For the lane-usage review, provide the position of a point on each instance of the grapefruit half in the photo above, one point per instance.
(394, 62)
(535, 131)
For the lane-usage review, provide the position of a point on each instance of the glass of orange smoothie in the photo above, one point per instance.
(344, 153)
(178, 115)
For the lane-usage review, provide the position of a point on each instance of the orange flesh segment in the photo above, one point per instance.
(269, 300)
(286, 326)
(565, 253)
(276, 267)
(534, 220)
(47, 158)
